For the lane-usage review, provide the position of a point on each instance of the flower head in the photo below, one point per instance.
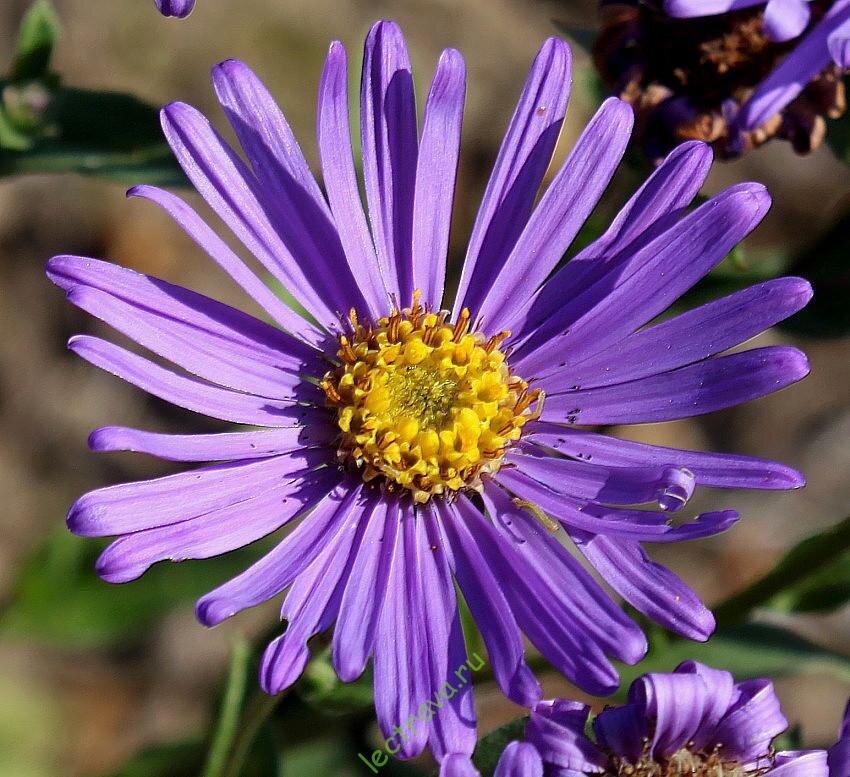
(178, 8)
(414, 442)
(693, 722)
(734, 73)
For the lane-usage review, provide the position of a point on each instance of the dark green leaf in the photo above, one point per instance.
(108, 134)
(826, 590)
(813, 573)
(490, 746)
(581, 36)
(175, 759)
(753, 650)
(36, 37)
(826, 265)
(59, 598)
(321, 689)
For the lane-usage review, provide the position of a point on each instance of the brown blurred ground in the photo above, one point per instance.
(93, 708)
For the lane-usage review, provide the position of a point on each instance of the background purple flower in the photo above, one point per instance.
(370, 556)
(695, 720)
(728, 71)
(839, 753)
(178, 8)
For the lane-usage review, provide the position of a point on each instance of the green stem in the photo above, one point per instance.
(228, 718)
(257, 711)
(807, 558)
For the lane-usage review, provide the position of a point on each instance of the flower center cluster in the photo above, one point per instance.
(684, 763)
(649, 56)
(425, 403)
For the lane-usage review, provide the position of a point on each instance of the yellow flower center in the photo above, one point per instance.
(425, 403)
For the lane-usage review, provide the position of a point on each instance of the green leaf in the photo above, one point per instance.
(58, 597)
(173, 759)
(752, 650)
(321, 689)
(826, 590)
(826, 265)
(814, 574)
(36, 37)
(491, 745)
(108, 134)
(581, 36)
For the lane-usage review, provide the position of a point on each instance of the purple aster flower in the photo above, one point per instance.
(178, 8)
(425, 442)
(693, 722)
(734, 73)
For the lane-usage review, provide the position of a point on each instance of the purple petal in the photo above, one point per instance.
(688, 337)
(458, 765)
(338, 511)
(622, 730)
(612, 485)
(435, 176)
(179, 8)
(222, 254)
(333, 130)
(710, 469)
(145, 504)
(786, 19)
(691, 8)
(233, 192)
(647, 586)
(594, 611)
(226, 446)
(203, 336)
(671, 187)
(641, 284)
(811, 763)
(556, 730)
(794, 72)
(354, 634)
(545, 619)
(453, 722)
(519, 759)
(677, 702)
(310, 606)
(838, 43)
(389, 149)
(215, 532)
(839, 753)
(720, 686)
(489, 607)
(563, 208)
(570, 512)
(747, 730)
(401, 678)
(191, 393)
(300, 213)
(518, 171)
(714, 384)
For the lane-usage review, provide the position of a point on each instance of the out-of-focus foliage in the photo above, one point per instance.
(48, 127)
(60, 600)
(827, 265)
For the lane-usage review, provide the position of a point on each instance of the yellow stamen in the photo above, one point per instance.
(425, 404)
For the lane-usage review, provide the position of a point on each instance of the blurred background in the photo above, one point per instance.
(91, 674)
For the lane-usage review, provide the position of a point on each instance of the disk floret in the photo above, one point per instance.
(424, 402)
(685, 762)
